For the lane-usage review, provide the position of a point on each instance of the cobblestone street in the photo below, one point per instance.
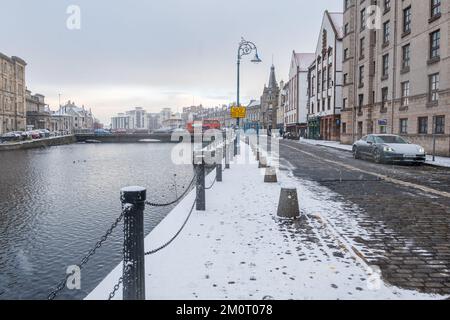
(403, 210)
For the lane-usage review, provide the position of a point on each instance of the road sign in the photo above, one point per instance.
(238, 112)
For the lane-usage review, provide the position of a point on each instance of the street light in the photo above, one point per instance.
(245, 48)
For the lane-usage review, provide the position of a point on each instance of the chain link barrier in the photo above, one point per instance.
(152, 204)
(62, 284)
(85, 260)
(176, 234)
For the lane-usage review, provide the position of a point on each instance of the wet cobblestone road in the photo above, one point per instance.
(404, 211)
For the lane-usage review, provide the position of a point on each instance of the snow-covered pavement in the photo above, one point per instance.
(238, 249)
(439, 161)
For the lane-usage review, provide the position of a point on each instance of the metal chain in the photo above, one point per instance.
(116, 287)
(62, 284)
(152, 204)
(176, 234)
(212, 185)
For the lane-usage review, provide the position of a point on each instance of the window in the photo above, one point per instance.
(403, 126)
(423, 125)
(361, 47)
(435, 44)
(407, 20)
(383, 130)
(346, 29)
(345, 53)
(344, 128)
(387, 5)
(384, 97)
(345, 78)
(363, 19)
(406, 56)
(386, 32)
(439, 124)
(405, 93)
(435, 8)
(344, 103)
(434, 87)
(360, 102)
(386, 65)
(361, 75)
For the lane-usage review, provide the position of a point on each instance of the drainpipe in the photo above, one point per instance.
(394, 75)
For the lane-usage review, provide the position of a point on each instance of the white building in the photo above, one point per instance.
(325, 80)
(296, 108)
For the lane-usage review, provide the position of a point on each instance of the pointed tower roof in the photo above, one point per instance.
(272, 79)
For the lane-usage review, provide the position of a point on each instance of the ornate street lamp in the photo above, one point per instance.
(245, 48)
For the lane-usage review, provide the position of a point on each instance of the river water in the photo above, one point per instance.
(56, 203)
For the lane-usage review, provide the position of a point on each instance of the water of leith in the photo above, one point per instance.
(56, 203)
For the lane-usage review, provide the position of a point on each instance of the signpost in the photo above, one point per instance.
(238, 112)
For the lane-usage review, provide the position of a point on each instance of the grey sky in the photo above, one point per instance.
(155, 54)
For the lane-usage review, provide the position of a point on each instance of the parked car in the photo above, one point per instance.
(44, 133)
(388, 148)
(11, 136)
(291, 136)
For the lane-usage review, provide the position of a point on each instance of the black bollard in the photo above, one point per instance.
(199, 164)
(133, 203)
(257, 147)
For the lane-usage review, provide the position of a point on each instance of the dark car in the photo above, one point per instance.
(291, 136)
(388, 148)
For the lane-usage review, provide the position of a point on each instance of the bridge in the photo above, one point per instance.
(124, 138)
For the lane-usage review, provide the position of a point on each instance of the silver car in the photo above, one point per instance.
(388, 148)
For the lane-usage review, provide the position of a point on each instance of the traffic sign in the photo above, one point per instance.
(238, 112)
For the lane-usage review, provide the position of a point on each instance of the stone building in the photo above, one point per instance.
(83, 119)
(38, 113)
(325, 81)
(282, 102)
(12, 94)
(269, 102)
(397, 70)
(253, 115)
(296, 109)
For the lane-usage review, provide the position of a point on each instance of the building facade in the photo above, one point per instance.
(325, 81)
(12, 94)
(296, 108)
(269, 102)
(38, 113)
(396, 68)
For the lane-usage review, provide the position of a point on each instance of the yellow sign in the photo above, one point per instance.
(238, 112)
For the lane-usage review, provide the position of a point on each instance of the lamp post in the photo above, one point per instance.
(245, 48)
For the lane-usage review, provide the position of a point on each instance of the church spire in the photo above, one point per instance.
(272, 79)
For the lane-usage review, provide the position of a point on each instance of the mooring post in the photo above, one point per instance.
(219, 159)
(227, 155)
(235, 145)
(199, 165)
(133, 203)
(257, 146)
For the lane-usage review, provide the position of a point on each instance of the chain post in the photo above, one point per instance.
(219, 150)
(257, 146)
(133, 253)
(199, 165)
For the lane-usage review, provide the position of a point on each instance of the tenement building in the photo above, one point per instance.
(396, 67)
(296, 108)
(38, 113)
(325, 81)
(12, 94)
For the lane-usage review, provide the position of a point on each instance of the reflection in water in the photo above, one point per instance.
(56, 203)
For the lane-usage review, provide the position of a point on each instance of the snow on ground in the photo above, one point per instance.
(439, 161)
(239, 249)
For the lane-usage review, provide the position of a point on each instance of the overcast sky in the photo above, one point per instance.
(155, 54)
